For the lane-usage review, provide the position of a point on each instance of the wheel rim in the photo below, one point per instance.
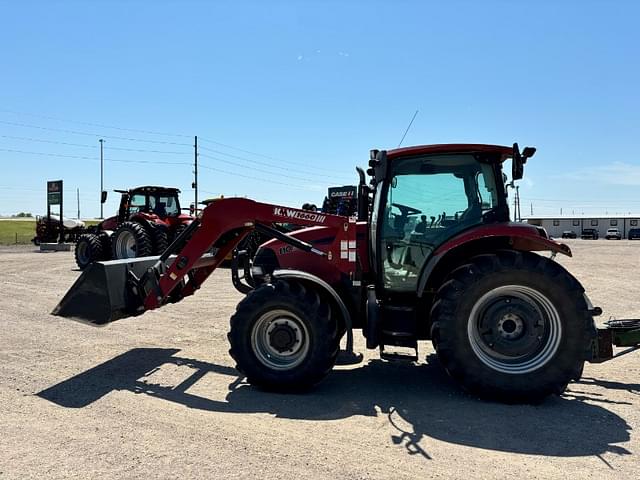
(125, 245)
(514, 329)
(280, 340)
(82, 252)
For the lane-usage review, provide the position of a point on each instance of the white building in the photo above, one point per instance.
(555, 225)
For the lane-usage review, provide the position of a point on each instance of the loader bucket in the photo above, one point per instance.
(104, 293)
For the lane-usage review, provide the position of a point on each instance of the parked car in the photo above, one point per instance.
(634, 234)
(569, 234)
(589, 234)
(613, 234)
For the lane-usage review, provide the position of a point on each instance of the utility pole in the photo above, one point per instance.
(78, 199)
(531, 208)
(518, 198)
(195, 172)
(101, 178)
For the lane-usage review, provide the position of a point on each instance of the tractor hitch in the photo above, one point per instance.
(619, 333)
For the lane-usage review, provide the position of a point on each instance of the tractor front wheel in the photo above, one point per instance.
(88, 250)
(131, 240)
(283, 337)
(512, 326)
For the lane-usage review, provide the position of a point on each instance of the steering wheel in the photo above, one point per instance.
(405, 210)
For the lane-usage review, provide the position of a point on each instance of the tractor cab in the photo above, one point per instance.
(161, 202)
(423, 197)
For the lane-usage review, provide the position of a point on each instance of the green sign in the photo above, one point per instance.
(54, 192)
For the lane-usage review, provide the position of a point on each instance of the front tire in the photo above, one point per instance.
(512, 326)
(88, 250)
(283, 337)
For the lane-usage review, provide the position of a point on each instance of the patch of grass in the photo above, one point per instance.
(17, 231)
(20, 232)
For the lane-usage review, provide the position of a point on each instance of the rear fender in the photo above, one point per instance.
(457, 250)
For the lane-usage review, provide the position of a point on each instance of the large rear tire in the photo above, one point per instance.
(131, 240)
(160, 240)
(88, 250)
(283, 337)
(512, 326)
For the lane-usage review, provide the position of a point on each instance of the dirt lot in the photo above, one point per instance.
(157, 397)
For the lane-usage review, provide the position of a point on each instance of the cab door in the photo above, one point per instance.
(425, 202)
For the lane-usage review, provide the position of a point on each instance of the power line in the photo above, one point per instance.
(148, 151)
(252, 178)
(257, 162)
(160, 142)
(82, 157)
(84, 145)
(31, 139)
(149, 132)
(277, 174)
(77, 132)
(261, 155)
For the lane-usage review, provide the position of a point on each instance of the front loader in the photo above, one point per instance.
(430, 256)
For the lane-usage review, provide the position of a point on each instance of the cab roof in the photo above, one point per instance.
(150, 189)
(446, 148)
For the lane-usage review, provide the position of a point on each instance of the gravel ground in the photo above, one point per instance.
(157, 396)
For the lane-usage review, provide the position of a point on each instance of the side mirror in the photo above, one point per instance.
(518, 161)
(103, 196)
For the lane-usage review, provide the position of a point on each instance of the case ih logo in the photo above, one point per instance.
(341, 194)
(299, 214)
(344, 192)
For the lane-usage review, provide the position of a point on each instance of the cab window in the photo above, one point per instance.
(138, 203)
(429, 200)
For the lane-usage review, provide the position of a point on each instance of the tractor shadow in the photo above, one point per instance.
(420, 402)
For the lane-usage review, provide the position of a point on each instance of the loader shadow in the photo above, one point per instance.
(421, 403)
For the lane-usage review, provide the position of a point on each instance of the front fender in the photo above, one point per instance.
(307, 277)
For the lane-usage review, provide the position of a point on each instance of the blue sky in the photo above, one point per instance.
(296, 93)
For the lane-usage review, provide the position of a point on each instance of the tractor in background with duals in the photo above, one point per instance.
(148, 220)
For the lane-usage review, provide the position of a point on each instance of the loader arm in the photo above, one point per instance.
(108, 291)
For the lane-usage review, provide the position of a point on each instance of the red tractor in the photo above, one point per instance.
(148, 219)
(430, 256)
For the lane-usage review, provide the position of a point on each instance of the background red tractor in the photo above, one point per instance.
(148, 219)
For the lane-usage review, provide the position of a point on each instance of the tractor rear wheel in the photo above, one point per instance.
(512, 326)
(283, 337)
(88, 250)
(131, 240)
(160, 240)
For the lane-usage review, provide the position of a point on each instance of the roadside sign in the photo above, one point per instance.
(54, 192)
(54, 197)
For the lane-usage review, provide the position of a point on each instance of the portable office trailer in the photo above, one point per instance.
(555, 226)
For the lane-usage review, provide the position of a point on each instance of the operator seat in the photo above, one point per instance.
(161, 209)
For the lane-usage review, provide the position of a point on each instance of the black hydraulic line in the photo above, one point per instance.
(294, 242)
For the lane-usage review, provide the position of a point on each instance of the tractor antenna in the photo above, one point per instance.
(408, 127)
